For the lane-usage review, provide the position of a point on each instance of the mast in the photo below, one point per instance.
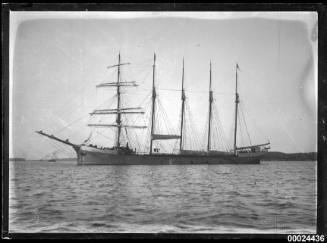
(118, 117)
(210, 111)
(118, 111)
(236, 109)
(182, 114)
(153, 102)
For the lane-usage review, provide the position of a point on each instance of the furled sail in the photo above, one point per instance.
(164, 137)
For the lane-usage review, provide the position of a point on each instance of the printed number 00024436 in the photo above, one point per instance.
(306, 238)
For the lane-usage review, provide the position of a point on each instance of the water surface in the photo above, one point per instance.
(273, 197)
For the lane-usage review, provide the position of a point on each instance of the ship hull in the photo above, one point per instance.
(111, 158)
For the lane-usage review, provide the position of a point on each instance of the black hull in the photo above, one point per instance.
(100, 158)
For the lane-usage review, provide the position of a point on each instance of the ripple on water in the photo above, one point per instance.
(63, 197)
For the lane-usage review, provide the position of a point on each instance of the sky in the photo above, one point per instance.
(57, 59)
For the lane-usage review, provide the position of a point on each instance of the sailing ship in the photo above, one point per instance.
(88, 154)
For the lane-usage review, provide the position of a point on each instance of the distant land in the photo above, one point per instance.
(17, 159)
(279, 156)
(59, 159)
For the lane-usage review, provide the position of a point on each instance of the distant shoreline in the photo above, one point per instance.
(280, 156)
(17, 159)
